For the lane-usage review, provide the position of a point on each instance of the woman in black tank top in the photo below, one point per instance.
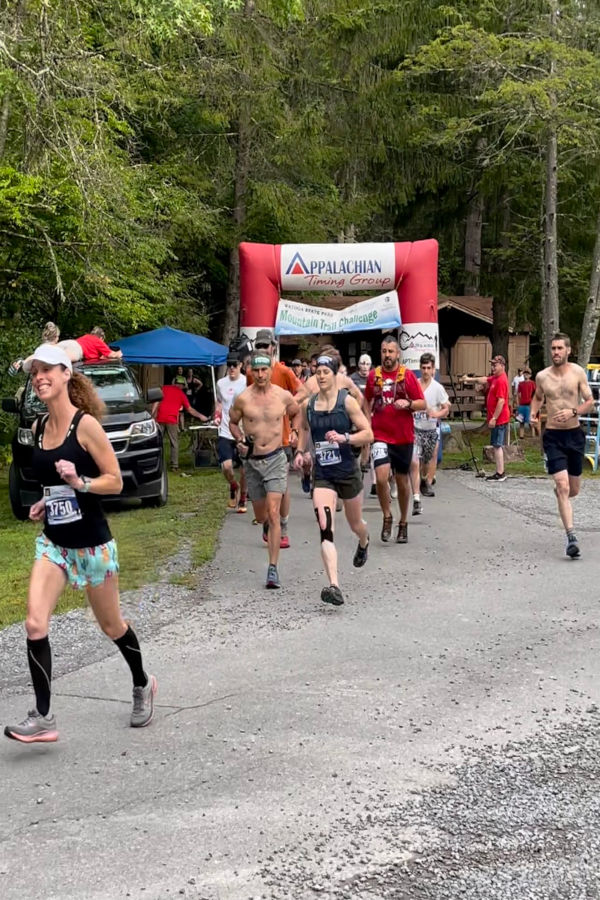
(328, 418)
(75, 464)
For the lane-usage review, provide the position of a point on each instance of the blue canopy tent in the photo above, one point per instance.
(168, 346)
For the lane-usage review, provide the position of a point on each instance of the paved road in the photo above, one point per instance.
(437, 737)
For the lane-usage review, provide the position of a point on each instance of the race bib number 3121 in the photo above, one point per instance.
(62, 506)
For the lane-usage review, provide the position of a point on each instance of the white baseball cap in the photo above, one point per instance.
(50, 354)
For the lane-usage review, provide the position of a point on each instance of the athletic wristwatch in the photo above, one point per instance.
(87, 483)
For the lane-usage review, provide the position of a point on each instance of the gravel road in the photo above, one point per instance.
(437, 737)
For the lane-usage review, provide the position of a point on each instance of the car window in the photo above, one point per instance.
(111, 383)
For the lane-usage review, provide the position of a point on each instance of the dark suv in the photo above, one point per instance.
(133, 433)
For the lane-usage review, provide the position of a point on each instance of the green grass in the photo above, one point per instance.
(146, 539)
(532, 464)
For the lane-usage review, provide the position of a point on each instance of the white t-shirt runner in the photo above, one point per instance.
(227, 391)
(435, 397)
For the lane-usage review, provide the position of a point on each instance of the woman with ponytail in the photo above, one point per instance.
(75, 464)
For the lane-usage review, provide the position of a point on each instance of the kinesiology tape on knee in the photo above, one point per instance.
(327, 532)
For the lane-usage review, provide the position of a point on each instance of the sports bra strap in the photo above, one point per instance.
(42, 420)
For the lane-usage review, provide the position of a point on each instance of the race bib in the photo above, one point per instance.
(327, 453)
(421, 416)
(62, 506)
(379, 451)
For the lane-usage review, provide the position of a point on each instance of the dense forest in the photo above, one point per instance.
(141, 140)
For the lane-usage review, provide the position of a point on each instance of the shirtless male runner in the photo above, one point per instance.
(261, 409)
(563, 385)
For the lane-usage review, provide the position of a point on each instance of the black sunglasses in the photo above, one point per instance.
(262, 346)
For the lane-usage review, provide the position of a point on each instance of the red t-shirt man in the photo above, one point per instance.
(390, 424)
(498, 388)
(172, 402)
(525, 391)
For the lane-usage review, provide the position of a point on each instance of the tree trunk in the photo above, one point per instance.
(550, 310)
(592, 308)
(242, 170)
(231, 319)
(501, 306)
(473, 231)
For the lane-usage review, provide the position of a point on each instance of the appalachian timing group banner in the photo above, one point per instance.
(378, 313)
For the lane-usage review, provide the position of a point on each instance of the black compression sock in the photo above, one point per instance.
(130, 648)
(40, 666)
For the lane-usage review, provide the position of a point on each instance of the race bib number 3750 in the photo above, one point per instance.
(62, 506)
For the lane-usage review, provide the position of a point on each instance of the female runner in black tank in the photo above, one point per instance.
(328, 418)
(75, 463)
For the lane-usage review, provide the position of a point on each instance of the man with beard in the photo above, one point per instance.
(564, 387)
(394, 394)
(261, 409)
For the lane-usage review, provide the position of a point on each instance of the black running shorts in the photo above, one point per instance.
(564, 450)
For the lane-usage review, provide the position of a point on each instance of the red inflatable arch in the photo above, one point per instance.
(409, 267)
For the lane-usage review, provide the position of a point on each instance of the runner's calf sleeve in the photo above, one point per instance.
(130, 648)
(40, 666)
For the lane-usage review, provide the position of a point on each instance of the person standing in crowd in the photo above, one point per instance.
(497, 408)
(362, 373)
(327, 419)
(565, 389)
(228, 388)
(427, 434)
(166, 412)
(75, 463)
(261, 409)
(525, 392)
(394, 394)
(284, 378)
(179, 379)
(93, 346)
(298, 370)
(519, 377)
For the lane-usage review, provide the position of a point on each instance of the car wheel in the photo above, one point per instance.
(14, 491)
(161, 498)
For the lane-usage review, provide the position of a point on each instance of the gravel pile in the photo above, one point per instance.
(516, 823)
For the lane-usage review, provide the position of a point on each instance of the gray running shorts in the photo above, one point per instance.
(266, 475)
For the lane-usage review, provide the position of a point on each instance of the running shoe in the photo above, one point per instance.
(241, 507)
(402, 536)
(572, 550)
(427, 490)
(306, 483)
(143, 703)
(34, 729)
(273, 577)
(497, 476)
(233, 489)
(394, 489)
(373, 491)
(386, 529)
(333, 595)
(360, 557)
(284, 543)
(417, 508)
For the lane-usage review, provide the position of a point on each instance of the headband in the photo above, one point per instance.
(328, 361)
(261, 361)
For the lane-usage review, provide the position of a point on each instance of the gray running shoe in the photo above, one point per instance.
(333, 595)
(417, 508)
(143, 703)
(34, 729)
(273, 577)
(572, 550)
